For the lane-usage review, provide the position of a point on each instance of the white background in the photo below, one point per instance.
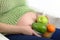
(50, 7)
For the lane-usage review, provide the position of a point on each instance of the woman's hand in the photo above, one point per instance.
(27, 30)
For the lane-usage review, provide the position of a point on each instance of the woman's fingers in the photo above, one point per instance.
(36, 33)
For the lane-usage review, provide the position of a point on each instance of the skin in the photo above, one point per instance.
(23, 25)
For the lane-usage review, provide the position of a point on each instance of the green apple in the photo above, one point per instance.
(39, 27)
(42, 19)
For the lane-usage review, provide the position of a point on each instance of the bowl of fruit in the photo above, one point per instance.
(43, 27)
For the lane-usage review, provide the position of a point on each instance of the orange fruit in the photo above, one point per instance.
(51, 28)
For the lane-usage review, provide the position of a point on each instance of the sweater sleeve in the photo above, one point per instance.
(12, 16)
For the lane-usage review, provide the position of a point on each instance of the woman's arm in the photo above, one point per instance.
(11, 29)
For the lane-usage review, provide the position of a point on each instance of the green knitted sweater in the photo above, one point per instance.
(12, 10)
